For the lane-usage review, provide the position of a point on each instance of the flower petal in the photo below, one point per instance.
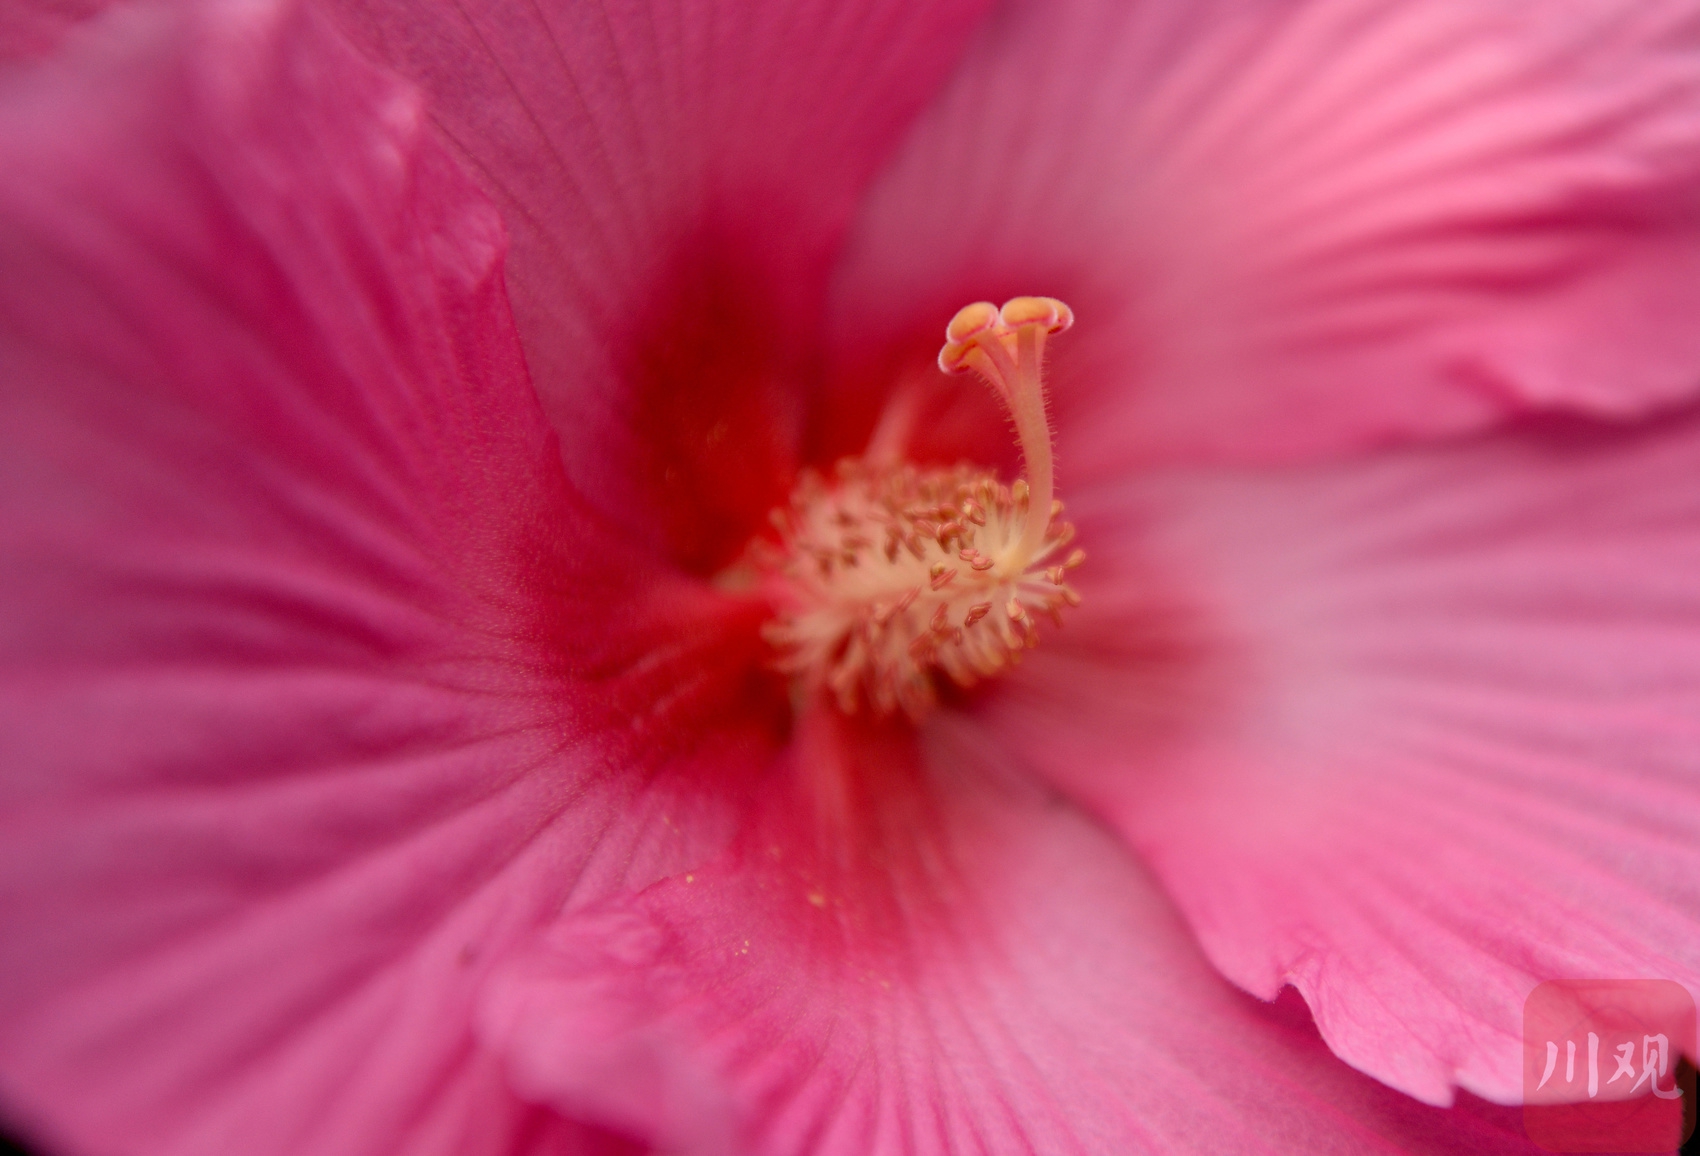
(319, 684)
(1424, 736)
(1300, 226)
(677, 180)
(1003, 979)
(32, 28)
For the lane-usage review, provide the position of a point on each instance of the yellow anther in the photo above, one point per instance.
(975, 327)
(894, 575)
(1045, 311)
(971, 320)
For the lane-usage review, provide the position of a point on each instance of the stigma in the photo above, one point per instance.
(888, 576)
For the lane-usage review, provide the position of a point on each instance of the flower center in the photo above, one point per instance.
(889, 574)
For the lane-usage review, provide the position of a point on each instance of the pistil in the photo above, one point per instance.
(889, 574)
(1007, 348)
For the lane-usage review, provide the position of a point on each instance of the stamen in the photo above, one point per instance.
(893, 573)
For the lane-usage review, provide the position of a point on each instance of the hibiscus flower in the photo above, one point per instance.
(416, 738)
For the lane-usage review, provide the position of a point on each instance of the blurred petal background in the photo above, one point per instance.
(389, 764)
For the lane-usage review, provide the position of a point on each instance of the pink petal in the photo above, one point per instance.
(1422, 736)
(677, 180)
(1303, 226)
(32, 28)
(320, 686)
(995, 976)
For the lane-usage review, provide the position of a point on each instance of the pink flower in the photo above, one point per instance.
(393, 759)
